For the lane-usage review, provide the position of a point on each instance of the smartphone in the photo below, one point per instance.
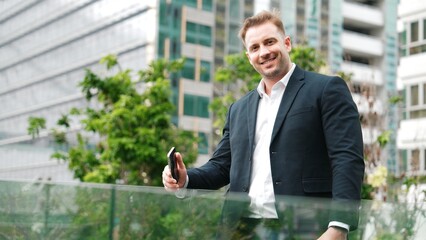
(173, 164)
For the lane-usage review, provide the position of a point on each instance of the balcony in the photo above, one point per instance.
(363, 73)
(409, 69)
(361, 44)
(362, 15)
(412, 134)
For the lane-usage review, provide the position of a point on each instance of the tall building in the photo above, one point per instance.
(412, 75)
(369, 50)
(46, 45)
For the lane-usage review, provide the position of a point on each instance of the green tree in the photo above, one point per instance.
(134, 126)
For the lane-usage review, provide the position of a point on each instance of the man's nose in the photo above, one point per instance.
(264, 51)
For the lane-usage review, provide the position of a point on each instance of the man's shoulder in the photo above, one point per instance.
(320, 79)
(251, 94)
(309, 75)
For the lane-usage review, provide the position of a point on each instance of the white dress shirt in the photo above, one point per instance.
(261, 191)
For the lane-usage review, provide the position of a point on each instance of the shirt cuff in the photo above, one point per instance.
(339, 225)
(181, 192)
(187, 181)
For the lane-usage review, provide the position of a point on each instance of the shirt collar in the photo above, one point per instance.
(284, 81)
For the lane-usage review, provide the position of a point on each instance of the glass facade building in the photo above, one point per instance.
(46, 45)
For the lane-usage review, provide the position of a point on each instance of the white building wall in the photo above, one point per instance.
(44, 48)
(412, 74)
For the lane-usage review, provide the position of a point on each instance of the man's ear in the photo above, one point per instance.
(287, 43)
(248, 57)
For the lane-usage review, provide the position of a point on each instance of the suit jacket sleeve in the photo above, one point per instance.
(215, 173)
(343, 138)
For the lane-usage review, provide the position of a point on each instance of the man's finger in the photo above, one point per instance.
(179, 161)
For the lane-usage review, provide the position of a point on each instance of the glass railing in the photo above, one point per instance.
(44, 210)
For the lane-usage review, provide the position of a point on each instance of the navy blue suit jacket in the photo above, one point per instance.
(316, 147)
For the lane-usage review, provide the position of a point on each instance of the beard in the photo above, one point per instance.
(277, 72)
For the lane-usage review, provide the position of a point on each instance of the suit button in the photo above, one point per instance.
(245, 189)
(278, 182)
(272, 153)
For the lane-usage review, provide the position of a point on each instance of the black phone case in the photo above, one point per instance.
(172, 164)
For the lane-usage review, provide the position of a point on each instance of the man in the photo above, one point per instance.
(297, 134)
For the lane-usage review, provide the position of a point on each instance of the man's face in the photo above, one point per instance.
(267, 51)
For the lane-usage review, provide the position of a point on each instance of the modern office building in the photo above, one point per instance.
(412, 75)
(46, 45)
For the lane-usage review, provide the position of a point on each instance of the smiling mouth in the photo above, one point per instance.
(268, 61)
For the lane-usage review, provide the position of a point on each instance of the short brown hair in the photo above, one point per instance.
(261, 18)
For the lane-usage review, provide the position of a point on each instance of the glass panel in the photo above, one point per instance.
(203, 145)
(403, 157)
(189, 69)
(189, 103)
(424, 93)
(418, 114)
(415, 160)
(196, 106)
(415, 50)
(424, 159)
(191, 33)
(414, 31)
(192, 3)
(403, 37)
(198, 34)
(40, 210)
(424, 29)
(205, 35)
(203, 107)
(207, 5)
(205, 71)
(414, 93)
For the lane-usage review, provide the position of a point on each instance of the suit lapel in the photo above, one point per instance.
(252, 105)
(291, 90)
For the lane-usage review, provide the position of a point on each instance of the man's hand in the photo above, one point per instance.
(334, 233)
(169, 182)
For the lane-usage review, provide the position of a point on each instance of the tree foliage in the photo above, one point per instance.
(35, 124)
(132, 124)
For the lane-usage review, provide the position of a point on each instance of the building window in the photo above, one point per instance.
(414, 93)
(205, 71)
(424, 93)
(418, 114)
(161, 44)
(403, 43)
(415, 50)
(191, 3)
(403, 157)
(207, 5)
(424, 29)
(414, 27)
(424, 159)
(197, 106)
(203, 144)
(415, 160)
(198, 34)
(189, 69)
